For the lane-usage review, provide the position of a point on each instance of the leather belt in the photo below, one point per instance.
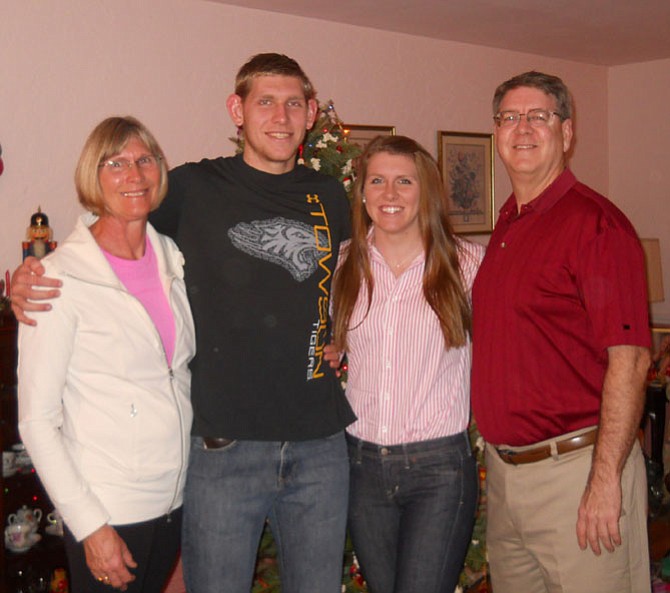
(544, 451)
(216, 442)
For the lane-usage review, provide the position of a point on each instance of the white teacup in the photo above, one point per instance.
(55, 521)
(8, 463)
(23, 460)
(19, 537)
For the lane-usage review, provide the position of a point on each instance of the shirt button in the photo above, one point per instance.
(503, 245)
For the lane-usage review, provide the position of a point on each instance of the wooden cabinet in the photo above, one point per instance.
(7, 349)
(21, 571)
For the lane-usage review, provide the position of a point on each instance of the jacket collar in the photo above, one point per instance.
(81, 257)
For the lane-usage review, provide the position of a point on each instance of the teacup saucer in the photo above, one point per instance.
(54, 530)
(19, 550)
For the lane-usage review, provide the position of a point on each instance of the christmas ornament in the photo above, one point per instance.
(39, 236)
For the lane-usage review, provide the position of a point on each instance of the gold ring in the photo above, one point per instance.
(104, 578)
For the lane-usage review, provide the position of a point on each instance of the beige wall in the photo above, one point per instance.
(639, 153)
(66, 65)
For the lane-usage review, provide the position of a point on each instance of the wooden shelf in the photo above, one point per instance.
(24, 487)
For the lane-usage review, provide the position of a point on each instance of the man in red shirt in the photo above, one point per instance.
(560, 338)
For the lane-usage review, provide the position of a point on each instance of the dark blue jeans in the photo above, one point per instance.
(411, 512)
(300, 486)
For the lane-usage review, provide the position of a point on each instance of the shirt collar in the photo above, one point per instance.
(546, 200)
(377, 255)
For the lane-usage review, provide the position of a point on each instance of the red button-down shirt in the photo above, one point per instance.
(562, 280)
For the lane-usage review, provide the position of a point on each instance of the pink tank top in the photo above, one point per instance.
(141, 279)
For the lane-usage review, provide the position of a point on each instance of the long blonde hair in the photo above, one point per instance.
(442, 279)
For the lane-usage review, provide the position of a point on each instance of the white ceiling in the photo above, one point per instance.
(604, 32)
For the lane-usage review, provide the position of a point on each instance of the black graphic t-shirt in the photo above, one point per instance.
(260, 252)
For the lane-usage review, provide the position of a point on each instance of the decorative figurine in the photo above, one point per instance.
(39, 236)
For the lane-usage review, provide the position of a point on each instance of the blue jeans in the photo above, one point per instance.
(301, 487)
(411, 512)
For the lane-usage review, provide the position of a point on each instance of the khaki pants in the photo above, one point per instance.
(531, 528)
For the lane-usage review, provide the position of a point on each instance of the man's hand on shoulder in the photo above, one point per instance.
(333, 357)
(26, 277)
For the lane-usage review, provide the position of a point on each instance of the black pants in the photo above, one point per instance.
(154, 545)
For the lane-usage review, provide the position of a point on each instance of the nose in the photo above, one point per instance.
(522, 123)
(134, 171)
(390, 191)
(280, 112)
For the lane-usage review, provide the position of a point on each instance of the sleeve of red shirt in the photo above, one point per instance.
(612, 278)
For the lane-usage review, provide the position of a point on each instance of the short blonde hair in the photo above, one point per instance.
(107, 139)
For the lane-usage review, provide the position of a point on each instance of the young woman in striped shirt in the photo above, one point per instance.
(401, 311)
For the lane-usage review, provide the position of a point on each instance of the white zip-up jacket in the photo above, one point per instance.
(103, 416)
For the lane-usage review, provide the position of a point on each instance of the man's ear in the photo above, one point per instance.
(234, 105)
(312, 110)
(567, 134)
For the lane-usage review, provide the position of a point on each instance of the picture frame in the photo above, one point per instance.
(362, 134)
(466, 162)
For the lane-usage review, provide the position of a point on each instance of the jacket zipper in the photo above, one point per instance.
(175, 397)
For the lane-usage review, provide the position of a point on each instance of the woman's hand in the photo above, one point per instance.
(109, 558)
(29, 274)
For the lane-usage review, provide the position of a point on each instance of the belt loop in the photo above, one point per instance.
(468, 444)
(359, 451)
(554, 450)
(405, 455)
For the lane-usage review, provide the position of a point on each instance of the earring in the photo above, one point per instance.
(364, 200)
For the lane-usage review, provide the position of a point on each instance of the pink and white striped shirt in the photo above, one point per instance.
(403, 385)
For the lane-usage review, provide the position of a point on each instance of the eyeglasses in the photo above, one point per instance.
(538, 118)
(119, 166)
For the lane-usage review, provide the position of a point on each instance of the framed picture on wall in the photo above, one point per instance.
(466, 164)
(361, 135)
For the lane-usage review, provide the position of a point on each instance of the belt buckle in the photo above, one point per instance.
(507, 455)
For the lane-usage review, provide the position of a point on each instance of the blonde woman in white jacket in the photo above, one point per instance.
(104, 406)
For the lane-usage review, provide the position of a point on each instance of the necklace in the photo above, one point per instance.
(403, 262)
(413, 249)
